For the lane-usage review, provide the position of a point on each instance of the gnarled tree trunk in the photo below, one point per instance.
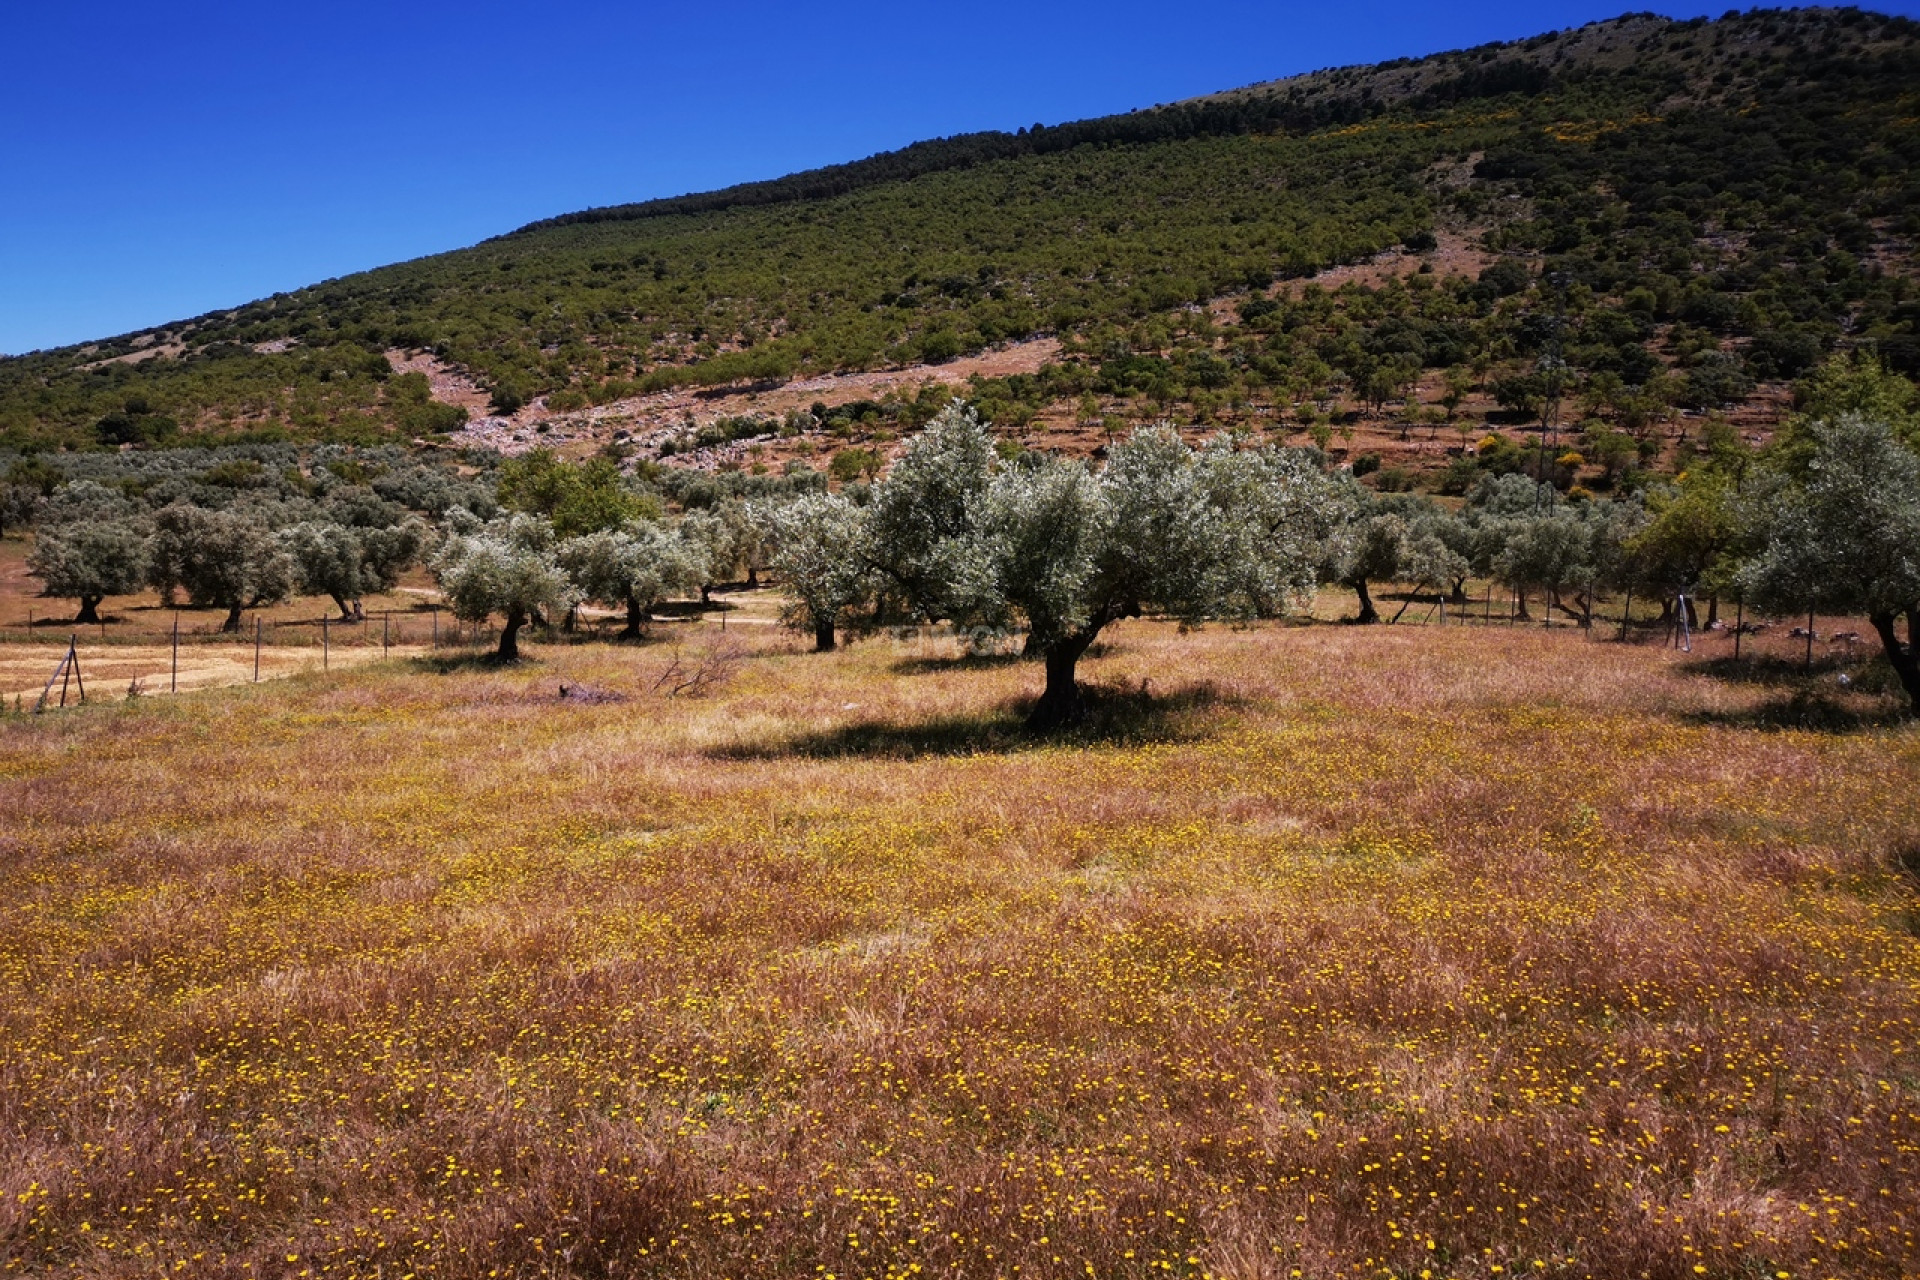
(509, 650)
(823, 638)
(232, 624)
(636, 620)
(1368, 614)
(1903, 658)
(1060, 703)
(89, 610)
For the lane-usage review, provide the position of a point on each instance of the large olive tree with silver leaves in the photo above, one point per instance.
(1069, 550)
(1161, 528)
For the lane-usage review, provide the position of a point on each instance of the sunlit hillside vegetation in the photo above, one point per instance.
(1709, 205)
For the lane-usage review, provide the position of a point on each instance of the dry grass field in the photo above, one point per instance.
(1326, 952)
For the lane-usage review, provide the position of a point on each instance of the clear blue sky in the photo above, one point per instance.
(163, 160)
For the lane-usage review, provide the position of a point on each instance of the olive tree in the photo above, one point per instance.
(1368, 551)
(1160, 527)
(507, 567)
(1842, 535)
(1553, 551)
(89, 561)
(816, 542)
(230, 559)
(635, 567)
(347, 563)
(1428, 560)
(920, 536)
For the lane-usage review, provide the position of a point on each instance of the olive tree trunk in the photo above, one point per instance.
(1903, 658)
(89, 610)
(509, 650)
(636, 620)
(1060, 702)
(1368, 614)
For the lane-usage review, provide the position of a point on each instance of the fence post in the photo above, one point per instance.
(326, 648)
(436, 626)
(1809, 640)
(385, 620)
(173, 676)
(256, 648)
(79, 676)
(1739, 623)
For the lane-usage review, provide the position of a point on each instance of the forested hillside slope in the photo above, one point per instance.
(1650, 214)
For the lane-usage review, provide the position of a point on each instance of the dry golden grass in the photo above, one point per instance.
(1330, 952)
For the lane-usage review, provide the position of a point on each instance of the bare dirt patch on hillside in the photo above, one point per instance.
(648, 420)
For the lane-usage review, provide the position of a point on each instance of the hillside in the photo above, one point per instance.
(1687, 214)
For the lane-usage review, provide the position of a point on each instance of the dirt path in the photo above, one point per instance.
(110, 671)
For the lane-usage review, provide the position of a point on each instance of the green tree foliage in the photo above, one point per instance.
(508, 567)
(1842, 535)
(632, 568)
(89, 560)
(228, 559)
(578, 498)
(409, 400)
(817, 551)
(1691, 538)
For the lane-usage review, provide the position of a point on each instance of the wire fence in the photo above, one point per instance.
(193, 650)
(50, 664)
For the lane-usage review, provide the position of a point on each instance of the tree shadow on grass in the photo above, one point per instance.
(1811, 711)
(933, 664)
(1768, 669)
(1842, 693)
(1115, 716)
(447, 664)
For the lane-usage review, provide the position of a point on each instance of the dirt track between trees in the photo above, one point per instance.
(111, 670)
